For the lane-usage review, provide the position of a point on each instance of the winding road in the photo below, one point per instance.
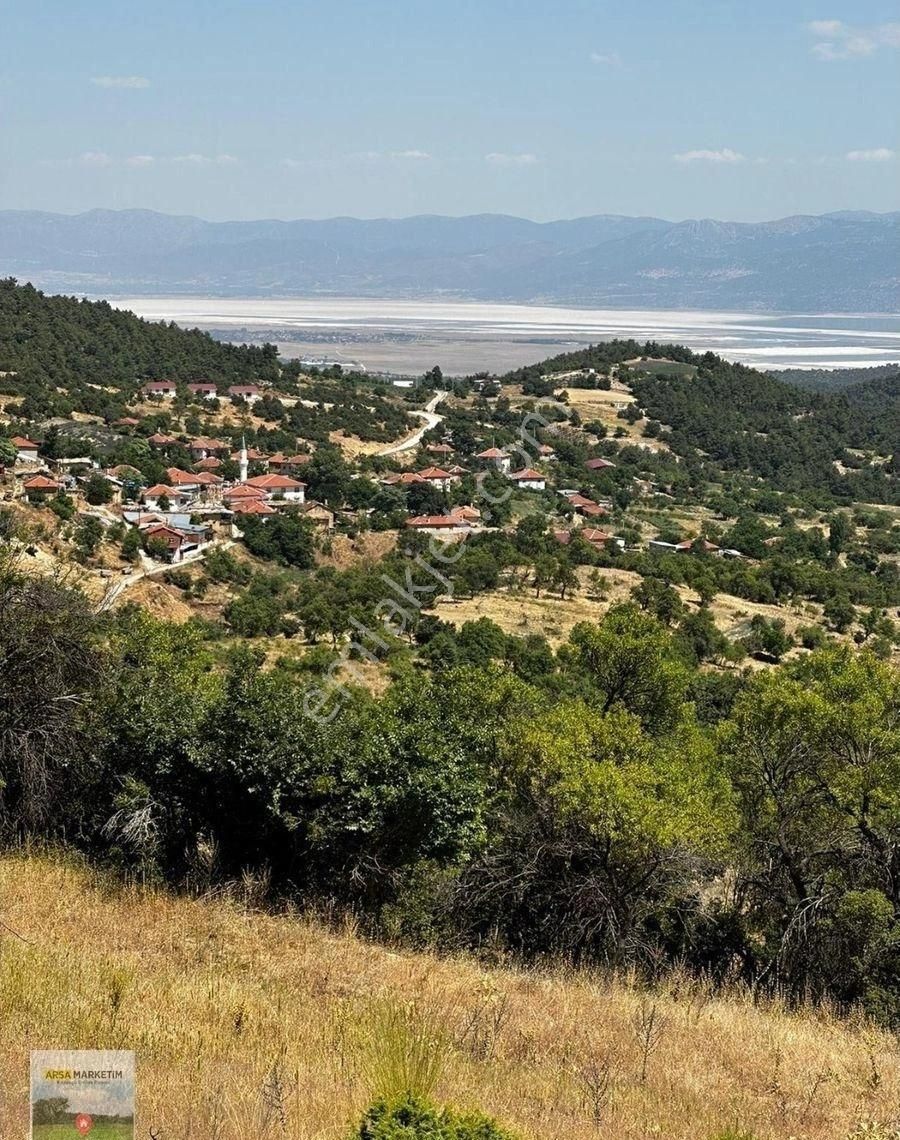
(432, 419)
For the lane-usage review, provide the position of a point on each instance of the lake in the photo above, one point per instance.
(468, 336)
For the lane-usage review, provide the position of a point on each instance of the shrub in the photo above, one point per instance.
(180, 578)
(62, 506)
(811, 636)
(413, 1119)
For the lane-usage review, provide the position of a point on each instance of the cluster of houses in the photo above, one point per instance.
(178, 517)
(163, 511)
(526, 479)
(168, 390)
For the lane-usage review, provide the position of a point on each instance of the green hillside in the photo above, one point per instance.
(63, 350)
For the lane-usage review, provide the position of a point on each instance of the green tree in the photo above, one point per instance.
(50, 645)
(768, 638)
(565, 576)
(609, 823)
(814, 750)
(631, 661)
(658, 598)
(8, 452)
(839, 612)
(840, 532)
(98, 490)
(131, 544)
(88, 535)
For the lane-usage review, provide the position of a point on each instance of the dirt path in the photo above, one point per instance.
(431, 418)
(151, 568)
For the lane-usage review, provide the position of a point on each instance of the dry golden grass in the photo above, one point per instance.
(520, 612)
(604, 406)
(240, 1019)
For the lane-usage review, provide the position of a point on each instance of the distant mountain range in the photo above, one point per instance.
(848, 261)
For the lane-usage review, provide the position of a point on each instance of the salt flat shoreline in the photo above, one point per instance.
(467, 336)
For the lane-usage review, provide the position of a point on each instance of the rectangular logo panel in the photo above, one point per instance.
(87, 1093)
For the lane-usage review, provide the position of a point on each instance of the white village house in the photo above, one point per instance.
(529, 480)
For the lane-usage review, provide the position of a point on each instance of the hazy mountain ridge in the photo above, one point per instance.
(846, 261)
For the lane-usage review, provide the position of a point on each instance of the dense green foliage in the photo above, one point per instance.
(588, 804)
(87, 346)
(746, 421)
(413, 1119)
(835, 379)
(730, 417)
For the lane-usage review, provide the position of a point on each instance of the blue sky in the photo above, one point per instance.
(543, 108)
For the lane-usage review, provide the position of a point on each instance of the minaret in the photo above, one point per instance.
(245, 465)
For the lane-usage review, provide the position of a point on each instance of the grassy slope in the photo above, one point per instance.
(213, 997)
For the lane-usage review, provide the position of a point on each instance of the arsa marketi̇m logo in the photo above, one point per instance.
(83, 1093)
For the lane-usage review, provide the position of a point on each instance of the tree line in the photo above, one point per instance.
(619, 816)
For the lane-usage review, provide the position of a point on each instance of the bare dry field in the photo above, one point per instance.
(249, 1027)
(521, 612)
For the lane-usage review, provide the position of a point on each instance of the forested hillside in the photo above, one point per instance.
(744, 420)
(60, 342)
(834, 379)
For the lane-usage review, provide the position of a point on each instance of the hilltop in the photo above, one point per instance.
(843, 261)
(237, 1017)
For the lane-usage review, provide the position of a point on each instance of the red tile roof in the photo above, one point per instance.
(41, 483)
(696, 544)
(242, 491)
(405, 478)
(591, 534)
(253, 507)
(527, 473)
(434, 473)
(598, 464)
(172, 537)
(24, 444)
(275, 482)
(160, 489)
(253, 454)
(182, 478)
(492, 453)
(444, 522)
